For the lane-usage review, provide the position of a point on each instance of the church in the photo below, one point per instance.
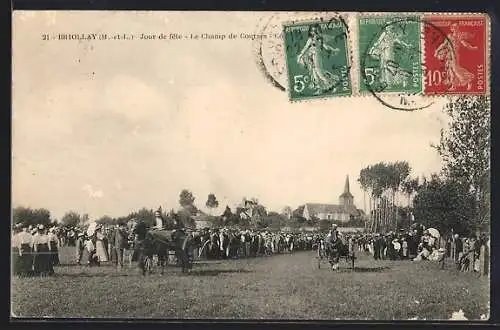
(343, 212)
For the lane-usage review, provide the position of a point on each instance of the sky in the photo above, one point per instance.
(105, 128)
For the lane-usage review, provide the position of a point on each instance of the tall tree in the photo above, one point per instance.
(185, 216)
(464, 147)
(409, 187)
(42, 216)
(287, 211)
(231, 218)
(227, 212)
(70, 219)
(143, 215)
(23, 215)
(105, 220)
(186, 200)
(84, 218)
(383, 182)
(445, 204)
(212, 202)
(29, 216)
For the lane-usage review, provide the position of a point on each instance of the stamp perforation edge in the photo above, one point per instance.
(310, 19)
(353, 57)
(423, 16)
(487, 50)
(367, 93)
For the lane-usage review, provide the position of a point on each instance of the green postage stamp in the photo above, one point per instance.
(317, 58)
(390, 54)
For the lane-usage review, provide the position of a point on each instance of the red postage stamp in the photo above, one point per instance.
(456, 60)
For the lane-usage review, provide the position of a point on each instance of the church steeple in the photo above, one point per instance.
(346, 187)
(346, 198)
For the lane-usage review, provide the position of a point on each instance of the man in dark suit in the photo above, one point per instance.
(376, 247)
(80, 247)
(120, 242)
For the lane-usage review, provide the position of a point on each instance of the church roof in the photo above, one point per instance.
(315, 208)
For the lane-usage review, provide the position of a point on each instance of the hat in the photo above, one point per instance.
(334, 225)
(41, 227)
(33, 231)
(80, 234)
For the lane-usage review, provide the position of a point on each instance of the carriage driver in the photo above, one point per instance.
(332, 237)
(330, 241)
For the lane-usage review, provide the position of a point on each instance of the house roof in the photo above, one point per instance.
(315, 208)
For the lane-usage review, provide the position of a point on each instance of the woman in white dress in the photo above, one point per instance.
(100, 248)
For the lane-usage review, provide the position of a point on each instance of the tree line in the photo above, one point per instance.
(456, 199)
(249, 214)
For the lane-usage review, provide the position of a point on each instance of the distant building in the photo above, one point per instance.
(343, 212)
(202, 221)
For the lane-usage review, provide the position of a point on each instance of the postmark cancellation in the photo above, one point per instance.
(406, 57)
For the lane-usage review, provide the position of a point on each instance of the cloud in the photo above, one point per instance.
(91, 192)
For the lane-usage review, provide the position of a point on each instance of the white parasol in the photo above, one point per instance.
(434, 232)
(91, 229)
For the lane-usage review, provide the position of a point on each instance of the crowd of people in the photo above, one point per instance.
(420, 243)
(230, 243)
(36, 248)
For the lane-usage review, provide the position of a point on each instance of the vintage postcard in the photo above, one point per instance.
(250, 165)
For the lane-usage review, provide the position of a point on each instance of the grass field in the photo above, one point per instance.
(276, 287)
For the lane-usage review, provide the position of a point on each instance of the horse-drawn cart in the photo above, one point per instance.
(332, 255)
(157, 245)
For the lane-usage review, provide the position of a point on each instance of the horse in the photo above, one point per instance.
(255, 244)
(213, 247)
(160, 242)
(339, 249)
(233, 245)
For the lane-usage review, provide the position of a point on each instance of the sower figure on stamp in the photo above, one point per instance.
(311, 56)
(385, 49)
(447, 51)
